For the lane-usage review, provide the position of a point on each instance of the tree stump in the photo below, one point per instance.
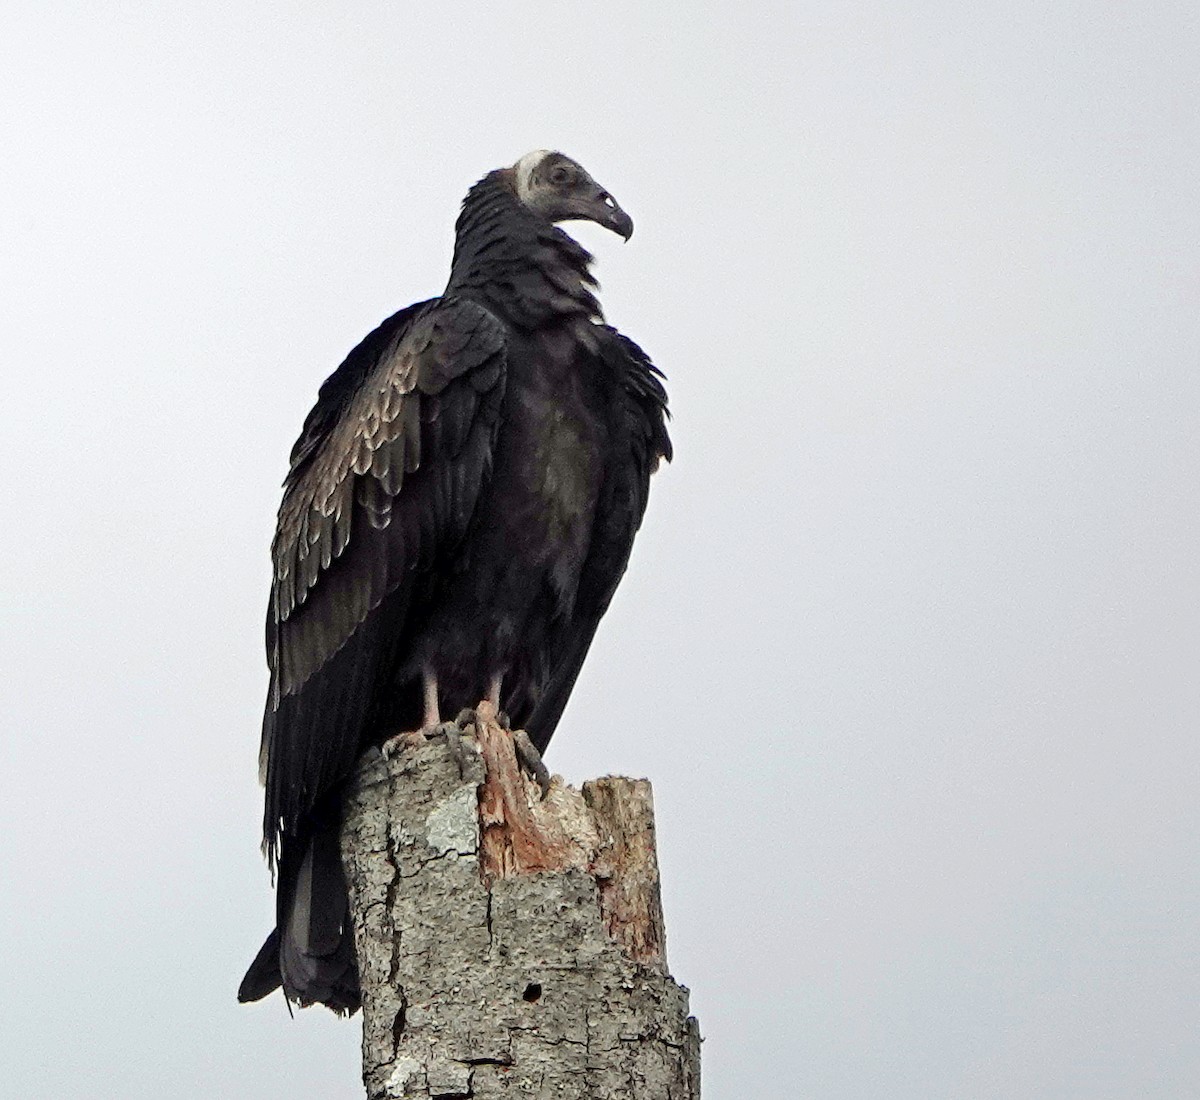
(510, 946)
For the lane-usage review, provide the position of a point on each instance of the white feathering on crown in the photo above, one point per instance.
(523, 171)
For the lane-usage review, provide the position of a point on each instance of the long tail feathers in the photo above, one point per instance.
(311, 950)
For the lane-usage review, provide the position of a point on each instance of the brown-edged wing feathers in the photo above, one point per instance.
(376, 493)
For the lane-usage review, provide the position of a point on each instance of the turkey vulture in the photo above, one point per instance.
(459, 509)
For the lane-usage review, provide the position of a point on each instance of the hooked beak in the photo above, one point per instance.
(610, 215)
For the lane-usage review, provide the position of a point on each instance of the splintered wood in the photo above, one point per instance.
(509, 945)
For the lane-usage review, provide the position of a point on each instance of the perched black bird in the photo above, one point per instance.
(460, 507)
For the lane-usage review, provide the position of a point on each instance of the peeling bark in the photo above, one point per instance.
(510, 946)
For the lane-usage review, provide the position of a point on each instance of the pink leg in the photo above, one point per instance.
(432, 714)
(431, 718)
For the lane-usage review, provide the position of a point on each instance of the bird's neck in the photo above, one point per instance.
(515, 262)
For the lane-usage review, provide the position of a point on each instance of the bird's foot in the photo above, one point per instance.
(408, 739)
(528, 757)
(452, 732)
(455, 742)
(531, 761)
(468, 716)
(414, 739)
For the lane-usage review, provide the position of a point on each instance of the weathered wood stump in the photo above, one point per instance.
(510, 946)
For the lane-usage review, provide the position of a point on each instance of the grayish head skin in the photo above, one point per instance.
(561, 190)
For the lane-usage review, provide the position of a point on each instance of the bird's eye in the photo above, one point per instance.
(560, 175)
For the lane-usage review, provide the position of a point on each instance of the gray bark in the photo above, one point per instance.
(510, 946)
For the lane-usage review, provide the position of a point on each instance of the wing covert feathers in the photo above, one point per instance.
(377, 490)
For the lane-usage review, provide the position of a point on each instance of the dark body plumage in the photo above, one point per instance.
(462, 501)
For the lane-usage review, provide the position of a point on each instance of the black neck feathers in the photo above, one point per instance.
(517, 263)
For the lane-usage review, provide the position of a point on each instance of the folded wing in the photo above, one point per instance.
(384, 480)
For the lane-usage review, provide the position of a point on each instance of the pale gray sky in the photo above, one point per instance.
(909, 644)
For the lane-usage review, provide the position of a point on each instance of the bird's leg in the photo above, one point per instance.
(451, 731)
(527, 755)
(430, 720)
(432, 714)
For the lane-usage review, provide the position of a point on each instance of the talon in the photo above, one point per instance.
(408, 739)
(531, 760)
(466, 717)
(503, 720)
(455, 742)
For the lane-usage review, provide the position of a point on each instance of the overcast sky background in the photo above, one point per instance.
(909, 643)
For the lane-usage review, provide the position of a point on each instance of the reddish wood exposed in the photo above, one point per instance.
(512, 841)
(607, 831)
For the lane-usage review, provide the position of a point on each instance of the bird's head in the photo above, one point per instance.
(554, 186)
